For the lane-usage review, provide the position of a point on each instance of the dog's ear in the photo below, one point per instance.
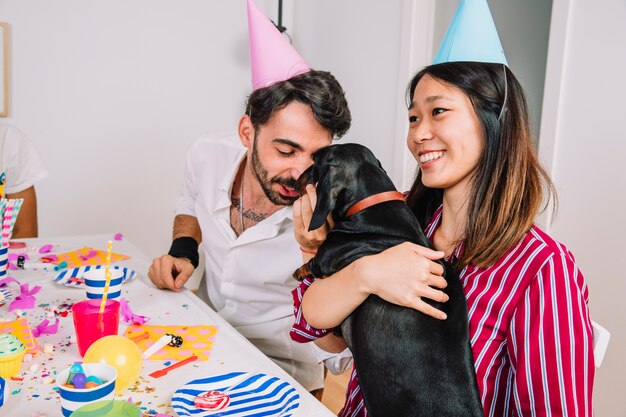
(325, 197)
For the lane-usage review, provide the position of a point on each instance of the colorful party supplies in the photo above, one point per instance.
(83, 257)
(197, 340)
(9, 209)
(22, 331)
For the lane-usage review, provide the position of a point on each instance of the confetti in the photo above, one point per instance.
(26, 299)
(45, 248)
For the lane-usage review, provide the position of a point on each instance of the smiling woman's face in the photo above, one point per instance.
(445, 136)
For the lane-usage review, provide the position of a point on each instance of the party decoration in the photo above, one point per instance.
(5, 296)
(3, 180)
(46, 328)
(272, 57)
(107, 276)
(21, 329)
(197, 340)
(26, 299)
(269, 394)
(9, 209)
(119, 352)
(45, 248)
(128, 316)
(83, 257)
(8, 280)
(167, 339)
(118, 236)
(163, 371)
(73, 277)
(471, 36)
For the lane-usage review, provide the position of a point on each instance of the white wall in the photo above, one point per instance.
(587, 155)
(112, 93)
(359, 42)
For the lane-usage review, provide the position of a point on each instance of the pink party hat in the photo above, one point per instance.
(272, 57)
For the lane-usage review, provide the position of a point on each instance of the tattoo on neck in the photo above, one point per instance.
(249, 214)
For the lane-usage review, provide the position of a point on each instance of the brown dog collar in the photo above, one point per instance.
(373, 200)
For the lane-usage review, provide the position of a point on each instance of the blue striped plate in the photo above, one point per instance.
(5, 296)
(65, 277)
(251, 395)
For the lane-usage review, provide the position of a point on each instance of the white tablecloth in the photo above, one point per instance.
(231, 351)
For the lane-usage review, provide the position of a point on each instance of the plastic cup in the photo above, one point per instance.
(91, 325)
(74, 398)
(95, 280)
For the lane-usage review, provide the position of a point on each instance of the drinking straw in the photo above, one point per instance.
(3, 205)
(107, 277)
(10, 209)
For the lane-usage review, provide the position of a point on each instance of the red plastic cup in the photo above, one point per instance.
(91, 325)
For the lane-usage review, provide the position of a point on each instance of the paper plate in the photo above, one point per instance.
(72, 277)
(5, 296)
(251, 394)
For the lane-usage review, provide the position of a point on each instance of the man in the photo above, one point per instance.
(20, 168)
(236, 201)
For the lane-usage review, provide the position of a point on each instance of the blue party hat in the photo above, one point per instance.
(472, 36)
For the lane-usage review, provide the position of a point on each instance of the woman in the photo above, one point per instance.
(477, 194)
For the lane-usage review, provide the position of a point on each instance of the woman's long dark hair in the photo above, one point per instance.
(509, 183)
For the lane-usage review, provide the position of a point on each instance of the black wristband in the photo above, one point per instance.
(185, 247)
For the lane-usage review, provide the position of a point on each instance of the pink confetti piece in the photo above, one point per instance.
(129, 316)
(45, 248)
(5, 281)
(46, 328)
(49, 258)
(13, 256)
(118, 236)
(89, 254)
(26, 300)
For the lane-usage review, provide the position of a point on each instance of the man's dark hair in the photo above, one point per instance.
(320, 90)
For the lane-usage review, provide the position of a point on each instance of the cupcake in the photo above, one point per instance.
(11, 354)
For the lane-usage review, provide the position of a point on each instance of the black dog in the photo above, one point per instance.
(409, 364)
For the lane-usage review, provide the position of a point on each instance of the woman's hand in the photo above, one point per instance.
(403, 275)
(303, 208)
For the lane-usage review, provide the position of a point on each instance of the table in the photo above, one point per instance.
(231, 351)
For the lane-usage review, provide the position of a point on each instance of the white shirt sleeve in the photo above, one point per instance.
(337, 363)
(20, 161)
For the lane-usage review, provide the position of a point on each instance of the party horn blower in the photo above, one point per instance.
(107, 277)
(167, 339)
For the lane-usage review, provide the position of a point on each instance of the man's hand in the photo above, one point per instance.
(303, 208)
(171, 273)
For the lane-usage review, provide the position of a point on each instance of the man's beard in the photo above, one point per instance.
(261, 175)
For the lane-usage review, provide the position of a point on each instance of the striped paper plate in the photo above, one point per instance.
(72, 277)
(5, 296)
(251, 394)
